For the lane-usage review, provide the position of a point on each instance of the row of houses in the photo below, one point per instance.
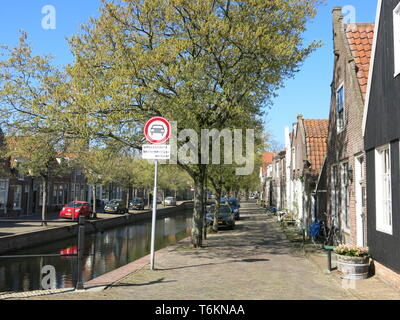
(23, 196)
(348, 166)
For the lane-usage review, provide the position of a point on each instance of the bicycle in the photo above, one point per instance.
(332, 233)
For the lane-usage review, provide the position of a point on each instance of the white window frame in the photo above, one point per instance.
(334, 194)
(17, 189)
(338, 128)
(344, 192)
(383, 210)
(396, 40)
(3, 193)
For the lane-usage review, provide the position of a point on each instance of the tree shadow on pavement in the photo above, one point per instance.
(252, 238)
(212, 264)
(161, 280)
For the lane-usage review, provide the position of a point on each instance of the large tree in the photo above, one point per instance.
(198, 62)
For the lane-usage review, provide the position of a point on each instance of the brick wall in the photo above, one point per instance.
(344, 146)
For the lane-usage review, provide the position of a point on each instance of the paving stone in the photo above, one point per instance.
(253, 262)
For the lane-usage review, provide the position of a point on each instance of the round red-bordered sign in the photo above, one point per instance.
(157, 130)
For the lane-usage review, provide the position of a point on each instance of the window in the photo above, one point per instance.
(396, 39)
(17, 197)
(345, 194)
(55, 194)
(83, 192)
(60, 194)
(334, 193)
(383, 192)
(340, 109)
(3, 193)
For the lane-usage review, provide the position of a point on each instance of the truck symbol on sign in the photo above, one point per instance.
(157, 129)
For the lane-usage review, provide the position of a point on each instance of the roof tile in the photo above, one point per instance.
(360, 38)
(316, 131)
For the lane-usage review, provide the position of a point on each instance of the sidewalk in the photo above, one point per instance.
(369, 289)
(253, 262)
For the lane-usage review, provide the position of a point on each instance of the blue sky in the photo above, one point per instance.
(308, 93)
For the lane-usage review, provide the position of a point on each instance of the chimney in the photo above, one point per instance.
(337, 22)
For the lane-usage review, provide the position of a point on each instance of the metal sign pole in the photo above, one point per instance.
(81, 245)
(153, 222)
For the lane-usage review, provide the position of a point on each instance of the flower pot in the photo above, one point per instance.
(353, 268)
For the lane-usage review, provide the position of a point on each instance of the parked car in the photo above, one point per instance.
(169, 201)
(115, 206)
(74, 209)
(226, 217)
(234, 204)
(136, 204)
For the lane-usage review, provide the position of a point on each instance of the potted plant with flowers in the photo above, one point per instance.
(352, 261)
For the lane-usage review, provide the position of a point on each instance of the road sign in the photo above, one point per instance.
(157, 130)
(156, 151)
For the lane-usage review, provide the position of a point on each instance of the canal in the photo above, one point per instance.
(104, 252)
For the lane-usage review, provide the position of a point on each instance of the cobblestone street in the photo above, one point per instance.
(253, 262)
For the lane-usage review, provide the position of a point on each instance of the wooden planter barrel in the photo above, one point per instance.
(353, 268)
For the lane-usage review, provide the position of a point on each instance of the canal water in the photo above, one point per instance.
(104, 252)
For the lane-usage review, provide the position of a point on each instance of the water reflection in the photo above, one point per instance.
(103, 252)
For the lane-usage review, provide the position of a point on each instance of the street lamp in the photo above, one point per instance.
(350, 173)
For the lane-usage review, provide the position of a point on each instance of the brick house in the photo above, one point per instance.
(309, 146)
(345, 165)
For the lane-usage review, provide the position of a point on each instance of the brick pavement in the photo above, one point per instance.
(253, 262)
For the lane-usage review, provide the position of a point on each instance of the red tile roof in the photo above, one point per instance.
(267, 157)
(316, 134)
(360, 38)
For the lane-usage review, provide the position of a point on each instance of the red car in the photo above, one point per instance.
(75, 208)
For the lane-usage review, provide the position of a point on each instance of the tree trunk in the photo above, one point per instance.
(128, 191)
(218, 196)
(198, 209)
(44, 200)
(205, 208)
(94, 201)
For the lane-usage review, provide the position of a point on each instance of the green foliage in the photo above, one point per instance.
(174, 178)
(37, 156)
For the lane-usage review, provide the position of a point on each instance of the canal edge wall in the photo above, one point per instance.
(44, 236)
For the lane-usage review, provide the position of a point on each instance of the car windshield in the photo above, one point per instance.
(224, 211)
(169, 198)
(74, 205)
(137, 200)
